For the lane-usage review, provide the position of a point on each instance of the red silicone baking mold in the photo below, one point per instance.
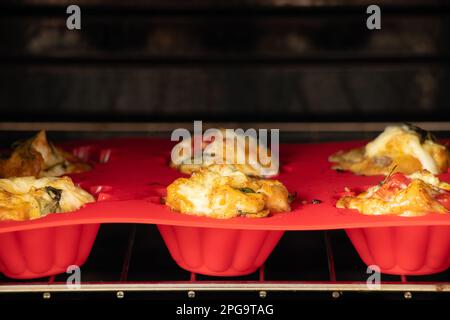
(43, 252)
(404, 250)
(219, 252)
(131, 175)
(37, 253)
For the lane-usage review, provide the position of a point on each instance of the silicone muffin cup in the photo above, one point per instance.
(47, 251)
(219, 252)
(44, 252)
(416, 250)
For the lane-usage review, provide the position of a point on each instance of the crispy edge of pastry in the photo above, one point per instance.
(354, 160)
(268, 192)
(26, 160)
(54, 196)
(415, 200)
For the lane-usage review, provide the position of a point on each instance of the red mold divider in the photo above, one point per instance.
(130, 177)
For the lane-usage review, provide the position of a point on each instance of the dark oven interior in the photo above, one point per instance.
(145, 67)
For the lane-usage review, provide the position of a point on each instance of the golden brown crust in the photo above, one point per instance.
(400, 152)
(371, 166)
(417, 198)
(24, 161)
(28, 198)
(187, 166)
(39, 158)
(220, 191)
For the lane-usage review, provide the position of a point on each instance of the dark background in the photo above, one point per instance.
(248, 60)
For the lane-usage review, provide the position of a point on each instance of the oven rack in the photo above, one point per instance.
(179, 284)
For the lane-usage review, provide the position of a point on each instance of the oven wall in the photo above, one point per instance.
(286, 60)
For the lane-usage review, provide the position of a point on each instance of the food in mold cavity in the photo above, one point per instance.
(215, 151)
(405, 195)
(27, 198)
(406, 148)
(222, 191)
(40, 158)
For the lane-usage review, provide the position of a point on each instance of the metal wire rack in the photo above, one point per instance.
(115, 278)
